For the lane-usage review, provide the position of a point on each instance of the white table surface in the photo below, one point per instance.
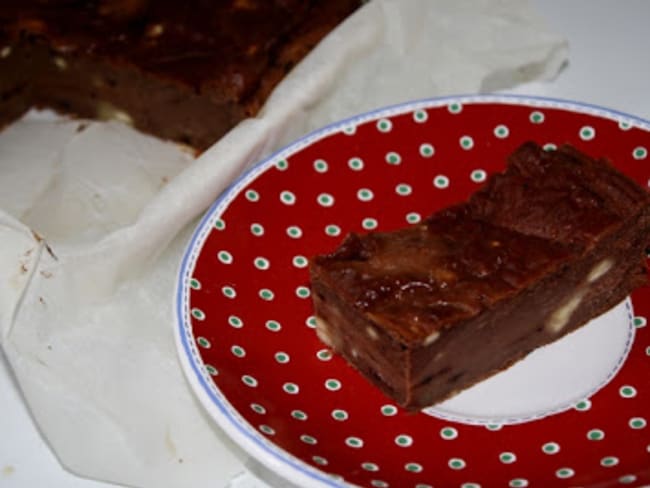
(609, 66)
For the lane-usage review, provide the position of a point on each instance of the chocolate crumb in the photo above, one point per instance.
(50, 252)
(37, 236)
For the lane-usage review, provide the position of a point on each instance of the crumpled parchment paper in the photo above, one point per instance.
(94, 218)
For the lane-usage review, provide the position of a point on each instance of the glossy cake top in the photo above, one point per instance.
(449, 268)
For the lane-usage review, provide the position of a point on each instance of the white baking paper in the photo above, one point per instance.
(94, 218)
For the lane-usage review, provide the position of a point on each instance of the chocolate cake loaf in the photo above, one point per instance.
(186, 71)
(427, 311)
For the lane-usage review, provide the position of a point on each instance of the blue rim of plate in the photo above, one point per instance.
(220, 410)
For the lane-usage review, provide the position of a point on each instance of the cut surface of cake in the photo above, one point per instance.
(185, 71)
(424, 312)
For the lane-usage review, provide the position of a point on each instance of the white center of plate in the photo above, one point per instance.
(551, 379)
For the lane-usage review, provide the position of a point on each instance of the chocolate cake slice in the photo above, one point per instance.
(186, 71)
(427, 311)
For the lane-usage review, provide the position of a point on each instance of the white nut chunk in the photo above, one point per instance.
(60, 63)
(323, 332)
(372, 333)
(431, 338)
(600, 269)
(108, 111)
(155, 30)
(560, 317)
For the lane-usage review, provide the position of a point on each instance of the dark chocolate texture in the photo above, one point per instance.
(186, 71)
(427, 311)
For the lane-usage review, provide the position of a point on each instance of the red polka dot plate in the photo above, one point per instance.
(574, 413)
